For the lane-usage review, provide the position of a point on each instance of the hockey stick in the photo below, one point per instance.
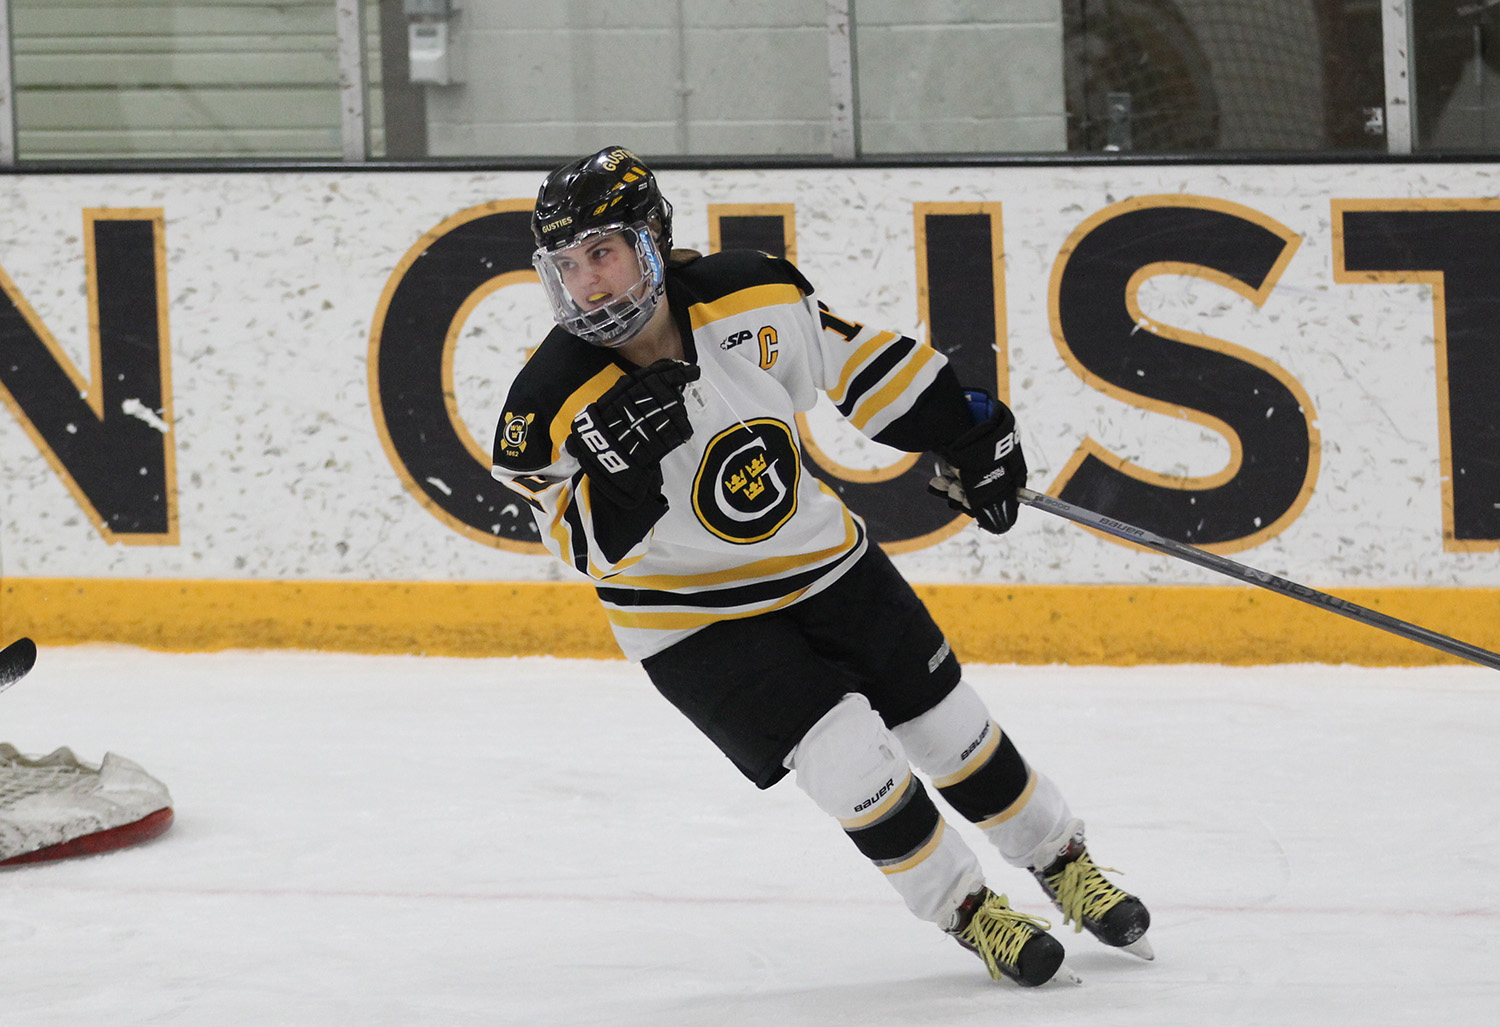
(16, 660)
(1281, 586)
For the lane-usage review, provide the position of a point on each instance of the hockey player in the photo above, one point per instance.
(653, 435)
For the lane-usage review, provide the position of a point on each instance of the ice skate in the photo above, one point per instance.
(1087, 899)
(1011, 944)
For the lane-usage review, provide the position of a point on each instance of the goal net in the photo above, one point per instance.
(56, 806)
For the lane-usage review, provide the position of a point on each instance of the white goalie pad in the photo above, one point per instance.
(56, 806)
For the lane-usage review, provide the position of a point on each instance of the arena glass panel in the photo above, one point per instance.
(149, 79)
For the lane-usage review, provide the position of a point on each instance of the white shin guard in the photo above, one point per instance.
(856, 770)
(947, 737)
(1044, 816)
(956, 736)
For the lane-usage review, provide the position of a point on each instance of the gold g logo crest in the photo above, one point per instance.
(746, 487)
(513, 435)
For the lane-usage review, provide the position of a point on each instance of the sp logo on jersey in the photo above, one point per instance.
(513, 433)
(746, 487)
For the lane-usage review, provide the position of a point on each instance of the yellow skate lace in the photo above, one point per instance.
(998, 933)
(1082, 891)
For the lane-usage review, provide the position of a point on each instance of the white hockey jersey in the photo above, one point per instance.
(743, 526)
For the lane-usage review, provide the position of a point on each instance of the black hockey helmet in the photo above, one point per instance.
(608, 194)
(610, 187)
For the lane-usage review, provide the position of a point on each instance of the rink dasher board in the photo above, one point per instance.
(278, 480)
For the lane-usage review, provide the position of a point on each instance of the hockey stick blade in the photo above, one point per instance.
(1281, 586)
(16, 660)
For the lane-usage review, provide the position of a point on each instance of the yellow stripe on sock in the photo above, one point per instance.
(916, 857)
(880, 809)
(980, 758)
(1013, 808)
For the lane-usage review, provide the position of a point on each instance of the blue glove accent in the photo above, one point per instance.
(981, 406)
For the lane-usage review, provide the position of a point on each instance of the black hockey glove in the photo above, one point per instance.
(982, 468)
(621, 438)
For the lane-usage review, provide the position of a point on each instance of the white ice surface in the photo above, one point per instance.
(405, 841)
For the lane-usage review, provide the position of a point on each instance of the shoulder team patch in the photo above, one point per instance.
(513, 435)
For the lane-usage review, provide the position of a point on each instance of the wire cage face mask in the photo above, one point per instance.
(622, 318)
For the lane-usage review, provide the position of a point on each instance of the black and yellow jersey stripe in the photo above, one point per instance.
(743, 527)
